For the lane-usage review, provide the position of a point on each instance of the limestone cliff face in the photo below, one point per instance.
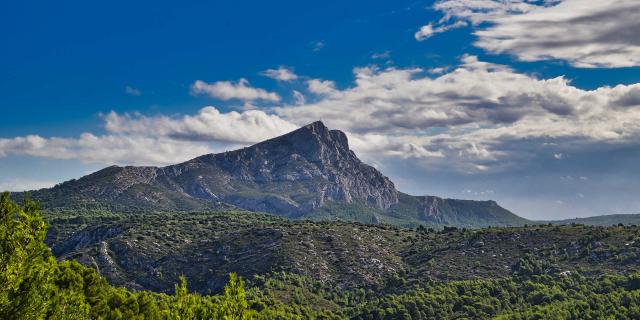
(294, 173)
(290, 175)
(455, 212)
(307, 173)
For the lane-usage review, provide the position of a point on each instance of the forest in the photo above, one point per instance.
(35, 285)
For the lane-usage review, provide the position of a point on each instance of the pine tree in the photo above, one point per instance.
(234, 303)
(26, 264)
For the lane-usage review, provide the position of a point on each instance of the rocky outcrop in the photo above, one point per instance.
(290, 175)
(87, 237)
(308, 173)
(466, 213)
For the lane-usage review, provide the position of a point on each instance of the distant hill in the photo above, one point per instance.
(309, 173)
(150, 251)
(604, 220)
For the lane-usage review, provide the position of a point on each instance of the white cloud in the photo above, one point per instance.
(321, 87)
(428, 30)
(425, 32)
(478, 116)
(132, 91)
(587, 34)
(298, 97)
(280, 74)
(438, 70)
(107, 149)
(603, 33)
(317, 45)
(381, 55)
(227, 90)
(209, 124)
(160, 140)
(480, 11)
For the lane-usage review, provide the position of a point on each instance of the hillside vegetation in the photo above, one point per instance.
(306, 270)
(151, 250)
(550, 272)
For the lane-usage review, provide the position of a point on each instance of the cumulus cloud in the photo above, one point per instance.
(437, 70)
(321, 87)
(475, 117)
(209, 124)
(157, 140)
(587, 34)
(478, 116)
(226, 90)
(631, 98)
(105, 149)
(280, 74)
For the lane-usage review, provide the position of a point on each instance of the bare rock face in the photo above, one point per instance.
(455, 212)
(289, 175)
(294, 173)
(307, 173)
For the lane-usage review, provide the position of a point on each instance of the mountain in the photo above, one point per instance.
(454, 212)
(308, 173)
(603, 220)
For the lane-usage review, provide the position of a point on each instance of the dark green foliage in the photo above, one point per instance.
(25, 261)
(599, 285)
(206, 247)
(33, 285)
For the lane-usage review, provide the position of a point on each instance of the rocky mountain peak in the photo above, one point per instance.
(321, 133)
(315, 142)
(306, 172)
(292, 174)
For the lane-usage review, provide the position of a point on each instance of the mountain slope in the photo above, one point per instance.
(150, 251)
(604, 220)
(308, 173)
(454, 212)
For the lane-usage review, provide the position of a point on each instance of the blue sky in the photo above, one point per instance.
(426, 91)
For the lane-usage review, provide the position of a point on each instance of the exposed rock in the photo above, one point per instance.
(290, 175)
(307, 173)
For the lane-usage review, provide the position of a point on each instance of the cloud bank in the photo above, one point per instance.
(157, 140)
(586, 34)
(476, 117)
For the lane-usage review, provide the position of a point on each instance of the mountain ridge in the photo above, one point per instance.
(307, 173)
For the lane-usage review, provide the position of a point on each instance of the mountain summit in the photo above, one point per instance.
(291, 174)
(309, 172)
